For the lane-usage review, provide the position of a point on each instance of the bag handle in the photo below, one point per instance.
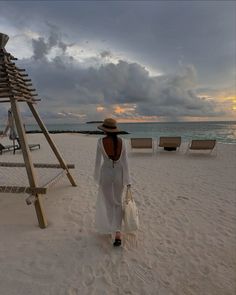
(129, 196)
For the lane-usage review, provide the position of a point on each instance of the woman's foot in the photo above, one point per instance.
(117, 241)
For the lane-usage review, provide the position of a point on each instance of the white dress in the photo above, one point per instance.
(111, 176)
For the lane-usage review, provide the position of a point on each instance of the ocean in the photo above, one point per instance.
(224, 132)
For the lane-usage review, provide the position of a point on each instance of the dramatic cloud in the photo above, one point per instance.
(63, 82)
(127, 59)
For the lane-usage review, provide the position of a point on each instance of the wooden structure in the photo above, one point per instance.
(15, 87)
(170, 143)
(141, 143)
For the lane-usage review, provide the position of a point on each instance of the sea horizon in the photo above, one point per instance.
(222, 131)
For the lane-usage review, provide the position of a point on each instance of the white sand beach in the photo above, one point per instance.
(186, 244)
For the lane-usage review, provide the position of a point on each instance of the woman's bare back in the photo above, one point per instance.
(110, 148)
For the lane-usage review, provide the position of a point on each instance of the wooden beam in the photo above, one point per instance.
(4, 101)
(20, 84)
(22, 189)
(13, 67)
(19, 89)
(28, 99)
(36, 165)
(5, 95)
(28, 163)
(51, 143)
(4, 90)
(17, 77)
(21, 100)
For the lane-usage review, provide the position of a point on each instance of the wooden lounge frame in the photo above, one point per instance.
(142, 143)
(202, 144)
(32, 146)
(170, 143)
(8, 148)
(15, 88)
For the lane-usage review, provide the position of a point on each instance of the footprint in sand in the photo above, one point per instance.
(144, 273)
(88, 274)
(182, 198)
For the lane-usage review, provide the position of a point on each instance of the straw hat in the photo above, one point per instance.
(109, 125)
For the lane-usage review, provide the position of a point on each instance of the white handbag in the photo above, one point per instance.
(131, 220)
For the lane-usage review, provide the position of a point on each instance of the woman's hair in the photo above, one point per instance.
(115, 143)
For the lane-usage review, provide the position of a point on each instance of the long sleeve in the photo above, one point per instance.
(126, 174)
(98, 163)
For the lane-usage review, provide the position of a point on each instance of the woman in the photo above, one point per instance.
(112, 175)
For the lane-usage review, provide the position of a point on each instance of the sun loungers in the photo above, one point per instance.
(8, 148)
(15, 147)
(31, 145)
(142, 143)
(172, 144)
(202, 144)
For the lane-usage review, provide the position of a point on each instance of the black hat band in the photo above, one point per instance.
(109, 127)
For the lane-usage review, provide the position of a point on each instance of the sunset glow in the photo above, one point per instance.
(139, 119)
(100, 109)
(119, 110)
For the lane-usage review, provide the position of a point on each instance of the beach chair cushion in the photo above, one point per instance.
(170, 143)
(141, 143)
(202, 144)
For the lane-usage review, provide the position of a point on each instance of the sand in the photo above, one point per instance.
(185, 245)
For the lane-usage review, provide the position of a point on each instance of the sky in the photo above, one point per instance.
(131, 60)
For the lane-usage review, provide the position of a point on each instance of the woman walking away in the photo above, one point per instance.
(112, 174)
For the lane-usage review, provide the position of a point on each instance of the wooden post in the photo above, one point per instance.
(28, 162)
(51, 143)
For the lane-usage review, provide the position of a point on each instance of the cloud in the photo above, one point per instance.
(65, 83)
(96, 70)
(160, 40)
(42, 47)
(105, 53)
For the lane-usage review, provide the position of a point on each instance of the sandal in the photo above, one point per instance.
(117, 243)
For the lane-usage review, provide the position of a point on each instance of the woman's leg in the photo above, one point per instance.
(118, 191)
(118, 235)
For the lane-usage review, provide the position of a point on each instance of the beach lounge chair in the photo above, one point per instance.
(202, 144)
(8, 148)
(141, 143)
(31, 145)
(170, 143)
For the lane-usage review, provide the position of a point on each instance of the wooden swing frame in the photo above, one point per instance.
(14, 88)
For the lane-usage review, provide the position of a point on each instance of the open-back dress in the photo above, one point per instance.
(111, 176)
